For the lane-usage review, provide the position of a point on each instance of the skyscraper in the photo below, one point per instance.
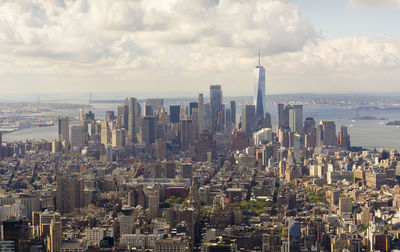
(193, 105)
(296, 118)
(187, 134)
(326, 133)
(63, 129)
(132, 109)
(106, 136)
(69, 193)
(259, 91)
(76, 136)
(281, 116)
(344, 138)
(201, 112)
(248, 119)
(148, 130)
(216, 105)
(174, 112)
(233, 113)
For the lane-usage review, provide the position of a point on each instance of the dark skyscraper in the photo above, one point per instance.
(248, 118)
(148, 130)
(216, 105)
(281, 116)
(192, 105)
(233, 113)
(174, 112)
(259, 91)
(132, 109)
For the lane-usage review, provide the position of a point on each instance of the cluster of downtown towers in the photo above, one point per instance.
(199, 116)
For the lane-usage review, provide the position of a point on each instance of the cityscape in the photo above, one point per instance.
(222, 166)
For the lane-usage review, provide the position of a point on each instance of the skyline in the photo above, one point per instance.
(142, 46)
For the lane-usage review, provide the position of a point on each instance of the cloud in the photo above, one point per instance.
(375, 3)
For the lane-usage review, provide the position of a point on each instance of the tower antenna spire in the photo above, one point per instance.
(259, 57)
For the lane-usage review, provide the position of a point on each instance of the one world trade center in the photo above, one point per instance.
(259, 91)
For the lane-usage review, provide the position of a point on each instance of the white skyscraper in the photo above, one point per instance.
(259, 91)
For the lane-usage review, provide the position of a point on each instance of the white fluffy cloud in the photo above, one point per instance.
(144, 45)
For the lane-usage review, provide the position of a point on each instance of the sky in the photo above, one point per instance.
(173, 47)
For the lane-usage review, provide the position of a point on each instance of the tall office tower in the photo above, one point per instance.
(123, 114)
(183, 112)
(326, 133)
(77, 136)
(259, 91)
(344, 138)
(126, 224)
(195, 118)
(174, 112)
(228, 120)
(132, 110)
(221, 118)
(207, 116)
(309, 126)
(148, 110)
(55, 236)
(69, 193)
(281, 116)
(187, 134)
(118, 137)
(169, 169)
(298, 146)
(157, 172)
(193, 105)
(161, 149)
(216, 105)
(266, 122)
(149, 130)
(201, 112)
(15, 231)
(187, 171)
(110, 116)
(296, 118)
(248, 119)
(233, 113)
(81, 115)
(106, 136)
(154, 202)
(63, 129)
(294, 236)
(205, 147)
(286, 116)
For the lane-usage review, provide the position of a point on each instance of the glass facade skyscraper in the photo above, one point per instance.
(216, 105)
(259, 92)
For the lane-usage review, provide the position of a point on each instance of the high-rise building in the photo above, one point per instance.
(154, 201)
(77, 136)
(281, 116)
(326, 133)
(174, 112)
(187, 134)
(156, 104)
(216, 105)
(259, 97)
(205, 147)
(309, 126)
(161, 149)
(344, 138)
(187, 171)
(55, 236)
(233, 113)
(106, 136)
(63, 129)
(296, 118)
(148, 110)
(81, 115)
(123, 115)
(110, 116)
(294, 236)
(248, 119)
(193, 105)
(169, 169)
(132, 110)
(228, 120)
(69, 194)
(118, 137)
(148, 130)
(201, 112)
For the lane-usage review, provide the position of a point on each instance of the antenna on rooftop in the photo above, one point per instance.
(259, 57)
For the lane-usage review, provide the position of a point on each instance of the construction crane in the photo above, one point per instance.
(139, 171)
